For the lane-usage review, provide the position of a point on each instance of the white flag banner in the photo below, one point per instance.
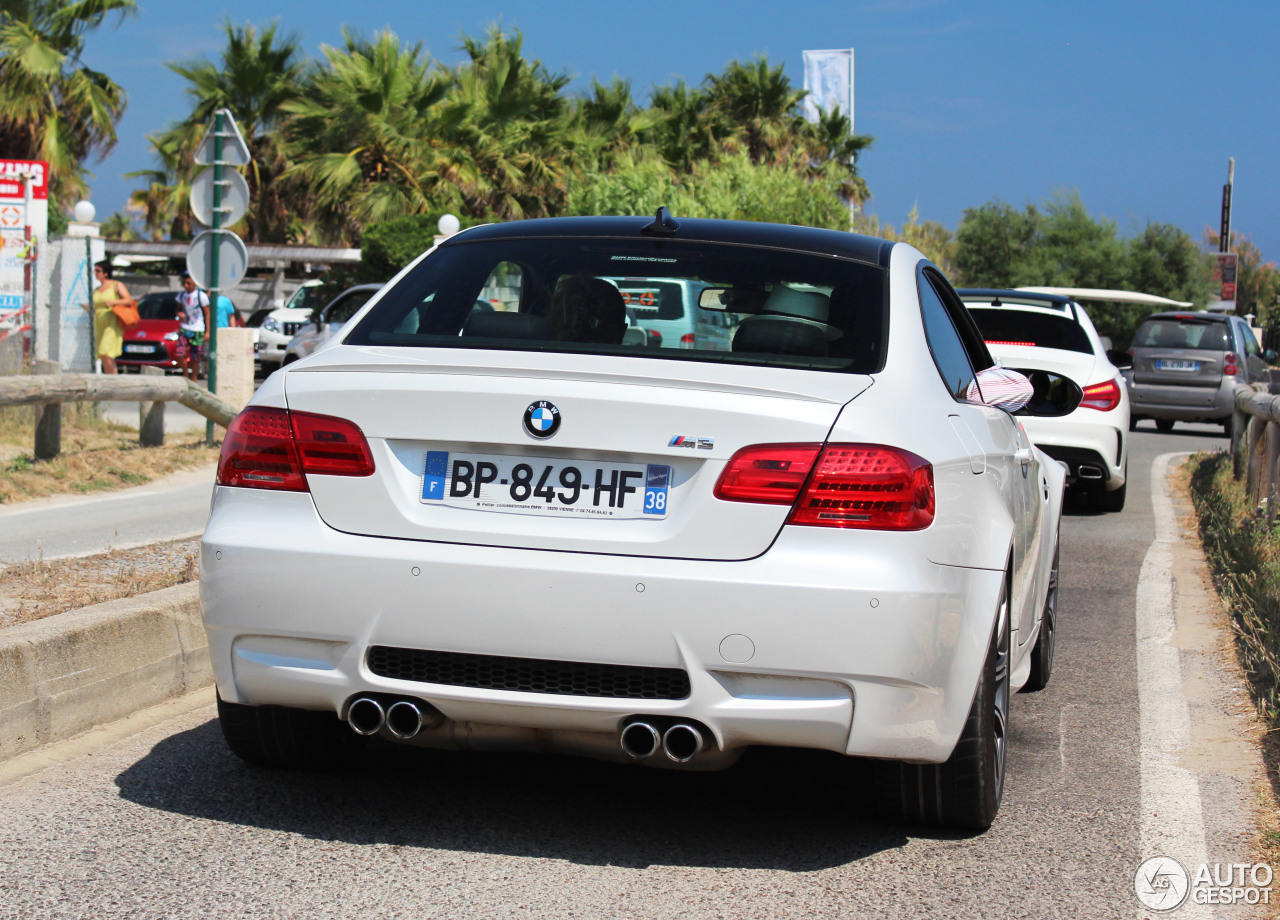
(828, 76)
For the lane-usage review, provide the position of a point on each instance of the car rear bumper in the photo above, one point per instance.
(1183, 403)
(873, 651)
(1094, 447)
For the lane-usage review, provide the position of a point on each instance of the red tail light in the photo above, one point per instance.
(767, 474)
(1102, 396)
(655, 338)
(1233, 366)
(686, 340)
(268, 448)
(865, 486)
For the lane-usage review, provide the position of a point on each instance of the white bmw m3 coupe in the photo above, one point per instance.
(509, 530)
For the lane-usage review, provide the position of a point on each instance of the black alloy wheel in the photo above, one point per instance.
(964, 792)
(1042, 653)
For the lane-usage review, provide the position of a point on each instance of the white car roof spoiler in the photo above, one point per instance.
(1104, 294)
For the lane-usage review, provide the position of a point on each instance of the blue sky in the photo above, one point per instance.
(1135, 105)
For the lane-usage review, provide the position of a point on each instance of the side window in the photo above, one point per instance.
(346, 308)
(1251, 346)
(945, 344)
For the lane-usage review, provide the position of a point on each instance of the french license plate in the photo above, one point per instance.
(138, 349)
(559, 488)
(1169, 364)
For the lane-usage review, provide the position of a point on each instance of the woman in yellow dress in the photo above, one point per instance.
(108, 336)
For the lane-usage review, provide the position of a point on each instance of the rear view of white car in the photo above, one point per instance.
(1052, 332)
(525, 529)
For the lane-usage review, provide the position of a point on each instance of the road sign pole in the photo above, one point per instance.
(213, 268)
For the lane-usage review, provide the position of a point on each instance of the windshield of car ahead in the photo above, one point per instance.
(571, 295)
(1022, 327)
(159, 306)
(1183, 332)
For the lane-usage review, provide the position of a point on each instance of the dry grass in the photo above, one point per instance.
(97, 455)
(35, 589)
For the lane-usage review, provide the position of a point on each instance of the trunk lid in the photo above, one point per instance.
(653, 434)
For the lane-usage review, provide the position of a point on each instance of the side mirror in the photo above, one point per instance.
(1054, 397)
(1119, 358)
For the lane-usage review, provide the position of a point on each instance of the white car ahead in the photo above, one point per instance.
(1034, 331)
(328, 320)
(514, 530)
(277, 329)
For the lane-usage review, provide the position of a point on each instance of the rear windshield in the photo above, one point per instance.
(594, 296)
(1187, 332)
(158, 306)
(1020, 327)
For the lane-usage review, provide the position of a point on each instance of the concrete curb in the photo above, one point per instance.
(69, 673)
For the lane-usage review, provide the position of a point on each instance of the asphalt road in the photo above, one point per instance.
(165, 823)
(168, 509)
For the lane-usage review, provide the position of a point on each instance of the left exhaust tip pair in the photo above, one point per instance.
(681, 742)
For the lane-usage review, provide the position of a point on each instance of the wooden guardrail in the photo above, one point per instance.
(1255, 445)
(49, 391)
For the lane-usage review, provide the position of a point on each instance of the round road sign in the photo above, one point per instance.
(233, 259)
(235, 196)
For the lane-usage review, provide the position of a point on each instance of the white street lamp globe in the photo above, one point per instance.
(448, 225)
(84, 212)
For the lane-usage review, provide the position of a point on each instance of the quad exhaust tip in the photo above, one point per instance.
(682, 742)
(366, 716)
(404, 719)
(640, 740)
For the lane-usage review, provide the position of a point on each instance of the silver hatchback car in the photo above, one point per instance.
(1186, 367)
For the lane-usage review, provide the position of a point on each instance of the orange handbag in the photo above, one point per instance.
(126, 312)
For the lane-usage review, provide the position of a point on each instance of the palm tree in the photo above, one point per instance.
(366, 135)
(164, 202)
(510, 130)
(832, 150)
(684, 132)
(756, 105)
(52, 106)
(258, 75)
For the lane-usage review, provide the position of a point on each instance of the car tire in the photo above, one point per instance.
(964, 792)
(1042, 653)
(1164, 424)
(1112, 500)
(292, 739)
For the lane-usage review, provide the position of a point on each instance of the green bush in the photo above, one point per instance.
(388, 247)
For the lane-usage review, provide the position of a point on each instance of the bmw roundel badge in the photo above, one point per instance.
(542, 419)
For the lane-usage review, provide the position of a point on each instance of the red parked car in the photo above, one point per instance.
(152, 342)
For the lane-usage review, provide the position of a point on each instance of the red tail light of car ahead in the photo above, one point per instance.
(865, 486)
(1102, 396)
(1232, 364)
(687, 340)
(268, 448)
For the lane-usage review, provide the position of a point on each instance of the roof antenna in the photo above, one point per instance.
(663, 223)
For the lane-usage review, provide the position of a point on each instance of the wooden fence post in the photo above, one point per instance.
(151, 416)
(1273, 462)
(48, 419)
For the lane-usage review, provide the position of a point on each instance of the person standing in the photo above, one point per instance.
(193, 321)
(108, 336)
(228, 315)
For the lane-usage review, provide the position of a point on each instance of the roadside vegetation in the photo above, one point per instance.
(1243, 552)
(35, 588)
(97, 455)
